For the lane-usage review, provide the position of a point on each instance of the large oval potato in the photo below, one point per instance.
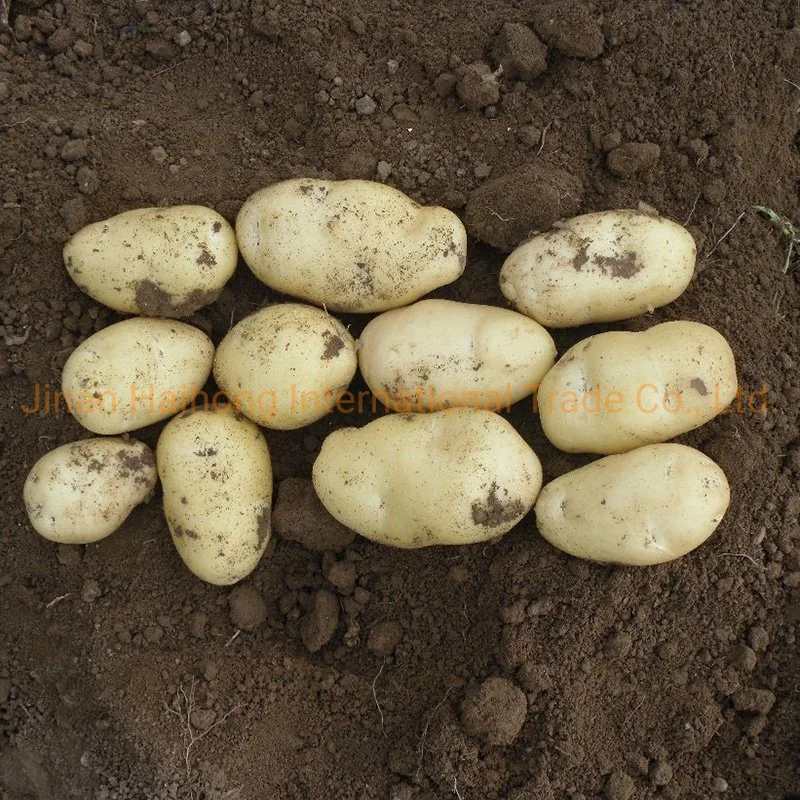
(217, 477)
(354, 246)
(160, 262)
(416, 480)
(135, 373)
(437, 354)
(619, 390)
(599, 267)
(650, 505)
(287, 365)
(82, 492)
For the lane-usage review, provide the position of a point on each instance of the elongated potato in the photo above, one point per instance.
(352, 245)
(599, 267)
(437, 354)
(287, 365)
(416, 480)
(160, 262)
(82, 492)
(619, 390)
(217, 477)
(135, 373)
(650, 505)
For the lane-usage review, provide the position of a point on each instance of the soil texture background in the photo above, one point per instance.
(341, 669)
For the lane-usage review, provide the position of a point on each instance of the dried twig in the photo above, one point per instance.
(169, 68)
(58, 599)
(691, 213)
(421, 747)
(185, 707)
(742, 555)
(231, 640)
(455, 789)
(544, 135)
(726, 234)
(375, 696)
(502, 219)
(6, 125)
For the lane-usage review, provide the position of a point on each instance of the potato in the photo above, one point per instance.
(354, 245)
(160, 262)
(416, 480)
(217, 477)
(437, 354)
(287, 365)
(619, 390)
(135, 373)
(650, 505)
(599, 267)
(82, 492)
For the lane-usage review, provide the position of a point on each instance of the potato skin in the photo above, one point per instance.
(217, 476)
(653, 385)
(159, 262)
(648, 506)
(600, 267)
(287, 365)
(82, 492)
(437, 354)
(135, 373)
(354, 246)
(416, 480)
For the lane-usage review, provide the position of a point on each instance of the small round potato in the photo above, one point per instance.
(437, 354)
(135, 373)
(415, 480)
(160, 262)
(599, 267)
(648, 506)
(286, 366)
(619, 390)
(353, 246)
(217, 477)
(82, 492)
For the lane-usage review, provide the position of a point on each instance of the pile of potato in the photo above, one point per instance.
(444, 469)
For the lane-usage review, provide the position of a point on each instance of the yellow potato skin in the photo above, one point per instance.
(286, 365)
(135, 373)
(600, 267)
(217, 476)
(619, 390)
(438, 354)
(158, 262)
(651, 505)
(416, 480)
(82, 492)
(352, 246)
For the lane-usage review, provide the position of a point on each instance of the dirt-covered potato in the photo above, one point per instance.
(416, 480)
(135, 373)
(160, 262)
(619, 390)
(437, 354)
(217, 477)
(287, 365)
(353, 246)
(650, 505)
(599, 267)
(82, 492)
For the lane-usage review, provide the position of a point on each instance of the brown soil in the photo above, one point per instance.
(675, 681)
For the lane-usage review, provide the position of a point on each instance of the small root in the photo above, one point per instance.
(421, 747)
(375, 696)
(57, 600)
